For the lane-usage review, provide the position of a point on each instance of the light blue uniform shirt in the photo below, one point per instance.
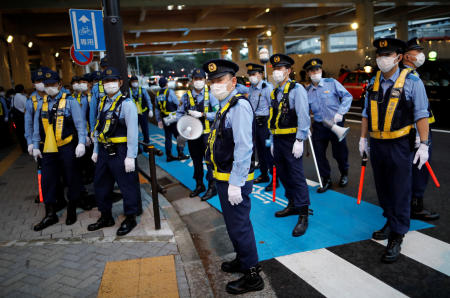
(240, 119)
(260, 98)
(414, 90)
(328, 98)
(129, 113)
(72, 109)
(241, 89)
(171, 98)
(213, 102)
(93, 105)
(83, 103)
(144, 97)
(298, 98)
(29, 116)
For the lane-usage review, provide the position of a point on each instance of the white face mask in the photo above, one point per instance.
(111, 88)
(420, 59)
(254, 80)
(83, 87)
(39, 87)
(278, 76)
(315, 78)
(135, 84)
(199, 84)
(2, 93)
(52, 91)
(220, 90)
(76, 87)
(385, 64)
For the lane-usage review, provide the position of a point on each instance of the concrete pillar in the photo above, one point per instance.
(18, 55)
(66, 68)
(47, 57)
(364, 16)
(252, 44)
(278, 39)
(5, 77)
(79, 70)
(324, 42)
(402, 27)
(236, 54)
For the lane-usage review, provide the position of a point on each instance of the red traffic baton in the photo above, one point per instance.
(361, 178)
(274, 183)
(433, 176)
(41, 197)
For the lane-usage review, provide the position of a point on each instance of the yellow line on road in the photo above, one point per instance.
(9, 160)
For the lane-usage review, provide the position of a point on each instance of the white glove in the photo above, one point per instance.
(338, 118)
(421, 155)
(297, 150)
(234, 194)
(30, 149)
(150, 114)
(417, 142)
(160, 124)
(364, 146)
(37, 153)
(94, 157)
(88, 141)
(80, 150)
(129, 164)
(195, 114)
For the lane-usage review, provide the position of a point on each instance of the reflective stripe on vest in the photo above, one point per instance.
(35, 102)
(102, 137)
(277, 130)
(394, 98)
(162, 104)
(59, 120)
(139, 102)
(205, 107)
(101, 90)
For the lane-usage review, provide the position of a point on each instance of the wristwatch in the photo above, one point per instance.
(300, 140)
(426, 142)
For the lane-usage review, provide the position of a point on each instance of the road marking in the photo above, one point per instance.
(335, 277)
(9, 159)
(427, 250)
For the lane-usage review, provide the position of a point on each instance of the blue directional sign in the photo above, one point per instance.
(87, 30)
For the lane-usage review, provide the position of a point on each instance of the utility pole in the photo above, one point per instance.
(115, 49)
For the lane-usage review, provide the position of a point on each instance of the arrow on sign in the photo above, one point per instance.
(84, 19)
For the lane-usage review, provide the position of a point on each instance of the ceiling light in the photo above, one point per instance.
(180, 7)
(267, 10)
(170, 7)
(30, 44)
(354, 26)
(9, 39)
(57, 54)
(269, 33)
(245, 44)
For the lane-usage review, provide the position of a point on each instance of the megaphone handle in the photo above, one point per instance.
(315, 161)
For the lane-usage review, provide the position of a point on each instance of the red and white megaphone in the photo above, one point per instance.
(339, 131)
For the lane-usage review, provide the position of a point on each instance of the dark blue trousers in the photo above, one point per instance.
(321, 136)
(420, 177)
(391, 162)
(264, 156)
(290, 171)
(197, 151)
(143, 123)
(111, 169)
(239, 226)
(62, 163)
(169, 132)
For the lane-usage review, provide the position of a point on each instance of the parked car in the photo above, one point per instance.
(356, 83)
(182, 83)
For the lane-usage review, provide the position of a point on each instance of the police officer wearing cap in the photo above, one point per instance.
(143, 105)
(329, 101)
(395, 103)
(289, 123)
(60, 124)
(259, 97)
(98, 91)
(115, 151)
(201, 104)
(230, 152)
(166, 107)
(414, 58)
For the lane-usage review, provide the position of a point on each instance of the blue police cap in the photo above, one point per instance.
(413, 44)
(389, 45)
(312, 64)
(96, 75)
(111, 73)
(133, 78)
(217, 68)
(162, 82)
(87, 77)
(198, 73)
(75, 79)
(38, 75)
(51, 77)
(104, 62)
(253, 67)
(281, 60)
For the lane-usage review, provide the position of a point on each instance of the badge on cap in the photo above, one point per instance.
(198, 70)
(39, 73)
(48, 75)
(250, 67)
(212, 67)
(383, 43)
(109, 71)
(276, 59)
(314, 62)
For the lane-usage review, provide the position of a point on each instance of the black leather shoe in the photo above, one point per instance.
(343, 181)
(301, 226)
(262, 179)
(158, 152)
(418, 211)
(250, 282)
(49, 219)
(211, 192)
(234, 266)
(71, 213)
(198, 190)
(105, 220)
(171, 158)
(289, 210)
(127, 225)
(382, 234)
(392, 252)
(269, 186)
(182, 156)
(326, 182)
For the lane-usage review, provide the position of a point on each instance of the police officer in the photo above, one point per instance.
(98, 92)
(115, 151)
(328, 101)
(58, 121)
(143, 104)
(395, 101)
(244, 90)
(230, 152)
(4, 117)
(289, 123)
(201, 104)
(414, 58)
(259, 97)
(167, 104)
